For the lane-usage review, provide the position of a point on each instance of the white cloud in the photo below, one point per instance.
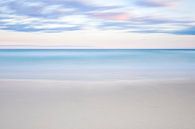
(106, 2)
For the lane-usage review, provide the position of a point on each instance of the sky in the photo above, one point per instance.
(97, 23)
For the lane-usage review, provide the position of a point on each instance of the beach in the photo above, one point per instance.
(97, 89)
(148, 104)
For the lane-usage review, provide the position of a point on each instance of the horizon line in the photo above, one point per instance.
(97, 48)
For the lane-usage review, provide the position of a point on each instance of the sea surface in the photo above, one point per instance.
(97, 64)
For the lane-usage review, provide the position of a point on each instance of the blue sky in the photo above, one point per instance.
(109, 20)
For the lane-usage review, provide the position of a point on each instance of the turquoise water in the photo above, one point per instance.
(96, 64)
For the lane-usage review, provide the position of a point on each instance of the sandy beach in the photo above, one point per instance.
(146, 104)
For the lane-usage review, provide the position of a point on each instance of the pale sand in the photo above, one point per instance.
(146, 104)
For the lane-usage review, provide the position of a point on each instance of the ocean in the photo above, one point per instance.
(96, 64)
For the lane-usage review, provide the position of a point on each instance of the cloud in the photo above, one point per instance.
(148, 24)
(50, 8)
(119, 16)
(186, 31)
(72, 15)
(163, 20)
(156, 3)
(106, 2)
(36, 24)
(26, 28)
